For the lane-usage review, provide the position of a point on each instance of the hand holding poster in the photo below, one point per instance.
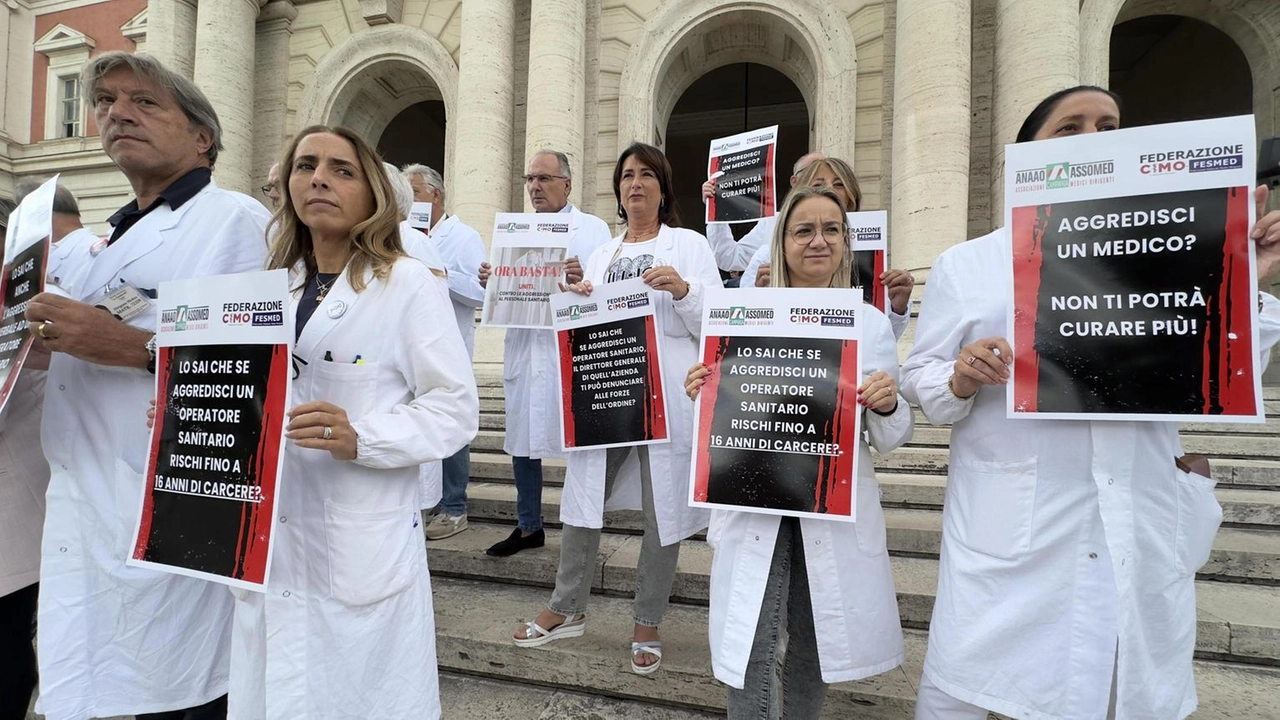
(1134, 280)
(777, 421)
(870, 240)
(222, 383)
(26, 257)
(526, 264)
(743, 166)
(611, 391)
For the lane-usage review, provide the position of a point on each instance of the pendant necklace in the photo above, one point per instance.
(322, 289)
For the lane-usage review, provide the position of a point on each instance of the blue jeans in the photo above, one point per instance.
(528, 472)
(456, 471)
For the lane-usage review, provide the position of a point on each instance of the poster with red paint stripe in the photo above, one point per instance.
(743, 168)
(869, 235)
(611, 390)
(223, 375)
(777, 421)
(1134, 280)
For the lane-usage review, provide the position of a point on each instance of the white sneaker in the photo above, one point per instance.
(444, 526)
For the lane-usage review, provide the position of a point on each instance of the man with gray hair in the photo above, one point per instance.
(462, 249)
(71, 240)
(529, 358)
(120, 640)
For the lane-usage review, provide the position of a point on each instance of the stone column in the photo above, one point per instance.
(557, 89)
(1037, 54)
(271, 87)
(930, 131)
(224, 70)
(171, 34)
(483, 170)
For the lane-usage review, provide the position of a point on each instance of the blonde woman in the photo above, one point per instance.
(830, 580)
(346, 626)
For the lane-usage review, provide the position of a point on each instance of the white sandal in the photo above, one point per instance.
(536, 636)
(651, 647)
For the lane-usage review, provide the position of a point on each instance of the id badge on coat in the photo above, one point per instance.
(124, 303)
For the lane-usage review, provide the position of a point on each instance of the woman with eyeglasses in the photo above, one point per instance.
(829, 581)
(678, 266)
(346, 627)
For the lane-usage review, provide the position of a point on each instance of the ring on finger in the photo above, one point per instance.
(328, 433)
(970, 360)
(40, 330)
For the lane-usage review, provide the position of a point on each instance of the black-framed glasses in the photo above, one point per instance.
(542, 179)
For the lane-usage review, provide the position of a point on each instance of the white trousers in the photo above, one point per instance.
(934, 704)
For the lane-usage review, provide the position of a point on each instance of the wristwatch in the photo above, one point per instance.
(151, 355)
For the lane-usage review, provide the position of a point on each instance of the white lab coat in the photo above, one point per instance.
(850, 582)
(529, 370)
(117, 640)
(346, 628)
(735, 254)
(462, 249)
(24, 477)
(418, 245)
(679, 324)
(1067, 545)
(765, 254)
(69, 258)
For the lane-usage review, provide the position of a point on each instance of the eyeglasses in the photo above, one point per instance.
(266, 189)
(804, 235)
(542, 179)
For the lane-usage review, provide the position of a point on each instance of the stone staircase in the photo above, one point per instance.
(479, 599)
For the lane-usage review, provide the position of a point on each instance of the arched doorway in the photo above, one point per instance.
(416, 135)
(1171, 68)
(725, 101)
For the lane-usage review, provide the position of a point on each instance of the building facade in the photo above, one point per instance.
(920, 95)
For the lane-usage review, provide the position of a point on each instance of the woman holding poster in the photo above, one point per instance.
(1066, 587)
(767, 568)
(346, 626)
(677, 264)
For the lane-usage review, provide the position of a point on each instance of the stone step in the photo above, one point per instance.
(466, 697)
(1239, 554)
(475, 621)
(1234, 621)
(1233, 472)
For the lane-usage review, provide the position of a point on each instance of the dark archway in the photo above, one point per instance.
(416, 135)
(1170, 68)
(725, 101)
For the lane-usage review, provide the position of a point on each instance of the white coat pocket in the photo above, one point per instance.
(1199, 516)
(350, 386)
(994, 504)
(371, 554)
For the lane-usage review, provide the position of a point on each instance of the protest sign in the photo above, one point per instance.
(743, 166)
(420, 216)
(777, 421)
(611, 390)
(1134, 280)
(222, 383)
(26, 258)
(869, 236)
(526, 265)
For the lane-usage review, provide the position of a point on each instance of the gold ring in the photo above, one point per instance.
(969, 360)
(40, 330)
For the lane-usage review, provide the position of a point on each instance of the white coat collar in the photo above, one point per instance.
(337, 304)
(152, 231)
(445, 226)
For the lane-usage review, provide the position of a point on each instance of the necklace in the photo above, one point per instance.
(322, 288)
(633, 237)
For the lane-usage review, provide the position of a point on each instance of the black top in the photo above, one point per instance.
(178, 193)
(311, 300)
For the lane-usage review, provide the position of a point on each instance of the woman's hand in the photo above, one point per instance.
(582, 288)
(898, 283)
(573, 270)
(322, 426)
(985, 362)
(708, 190)
(694, 380)
(151, 415)
(1266, 236)
(485, 269)
(763, 275)
(665, 277)
(879, 392)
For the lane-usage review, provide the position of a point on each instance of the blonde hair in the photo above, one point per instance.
(375, 241)
(841, 170)
(780, 275)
